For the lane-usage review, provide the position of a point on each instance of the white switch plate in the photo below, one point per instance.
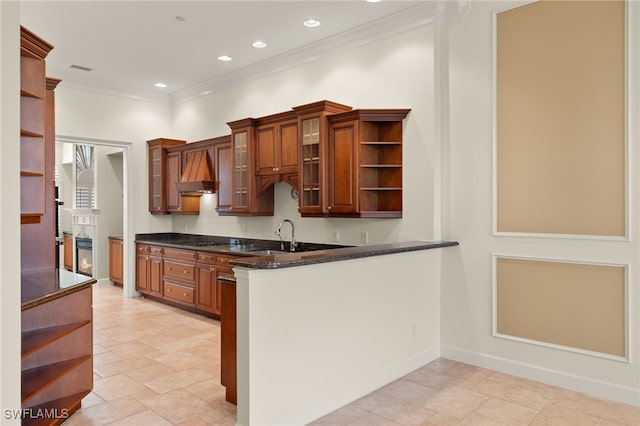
(364, 237)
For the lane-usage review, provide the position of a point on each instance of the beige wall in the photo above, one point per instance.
(468, 276)
(560, 118)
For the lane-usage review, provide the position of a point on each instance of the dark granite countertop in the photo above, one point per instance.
(266, 254)
(288, 260)
(45, 285)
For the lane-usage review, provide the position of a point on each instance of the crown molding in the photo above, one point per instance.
(71, 79)
(408, 19)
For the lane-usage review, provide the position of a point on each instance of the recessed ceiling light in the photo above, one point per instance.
(259, 44)
(373, 1)
(224, 58)
(311, 23)
(160, 85)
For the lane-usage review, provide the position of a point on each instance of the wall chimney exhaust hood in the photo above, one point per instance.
(196, 178)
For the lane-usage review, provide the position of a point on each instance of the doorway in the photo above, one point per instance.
(112, 198)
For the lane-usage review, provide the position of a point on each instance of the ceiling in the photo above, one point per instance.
(131, 45)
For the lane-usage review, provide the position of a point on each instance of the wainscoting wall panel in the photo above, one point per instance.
(560, 118)
(574, 305)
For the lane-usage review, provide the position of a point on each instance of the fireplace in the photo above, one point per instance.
(84, 256)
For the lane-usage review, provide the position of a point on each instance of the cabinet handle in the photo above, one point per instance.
(185, 272)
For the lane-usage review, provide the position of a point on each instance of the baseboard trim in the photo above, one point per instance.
(317, 409)
(586, 385)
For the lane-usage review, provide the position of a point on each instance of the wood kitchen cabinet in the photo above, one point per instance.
(67, 243)
(179, 276)
(177, 202)
(245, 199)
(160, 187)
(116, 258)
(277, 150)
(209, 292)
(365, 163)
(149, 269)
(222, 160)
(228, 338)
(313, 155)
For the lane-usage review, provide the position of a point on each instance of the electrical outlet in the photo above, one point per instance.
(336, 235)
(364, 237)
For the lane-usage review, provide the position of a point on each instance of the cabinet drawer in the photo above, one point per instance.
(179, 254)
(224, 260)
(156, 250)
(206, 258)
(178, 292)
(139, 248)
(181, 271)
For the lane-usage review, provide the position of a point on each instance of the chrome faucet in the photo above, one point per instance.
(293, 245)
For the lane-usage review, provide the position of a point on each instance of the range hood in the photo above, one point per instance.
(197, 177)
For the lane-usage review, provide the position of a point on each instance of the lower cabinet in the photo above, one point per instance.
(67, 243)
(115, 260)
(149, 269)
(182, 277)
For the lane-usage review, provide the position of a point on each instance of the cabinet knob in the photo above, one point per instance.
(185, 272)
(168, 290)
(168, 268)
(212, 269)
(275, 169)
(329, 208)
(184, 294)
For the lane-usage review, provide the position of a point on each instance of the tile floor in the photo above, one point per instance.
(157, 365)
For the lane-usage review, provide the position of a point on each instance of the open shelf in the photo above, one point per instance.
(38, 379)
(62, 408)
(34, 340)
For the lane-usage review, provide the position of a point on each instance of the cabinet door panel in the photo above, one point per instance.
(289, 147)
(206, 294)
(342, 159)
(266, 150)
(142, 273)
(172, 177)
(155, 276)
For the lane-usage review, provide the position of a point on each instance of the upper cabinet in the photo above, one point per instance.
(277, 150)
(365, 163)
(342, 162)
(313, 164)
(161, 179)
(245, 198)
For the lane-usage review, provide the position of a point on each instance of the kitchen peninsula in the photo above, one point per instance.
(319, 308)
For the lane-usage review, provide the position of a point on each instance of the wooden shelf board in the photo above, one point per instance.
(29, 94)
(37, 379)
(31, 174)
(35, 339)
(380, 188)
(70, 404)
(382, 166)
(25, 132)
(26, 218)
(380, 143)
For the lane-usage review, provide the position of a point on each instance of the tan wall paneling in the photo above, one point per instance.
(569, 304)
(561, 118)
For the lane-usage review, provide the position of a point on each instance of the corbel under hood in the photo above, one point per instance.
(197, 177)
